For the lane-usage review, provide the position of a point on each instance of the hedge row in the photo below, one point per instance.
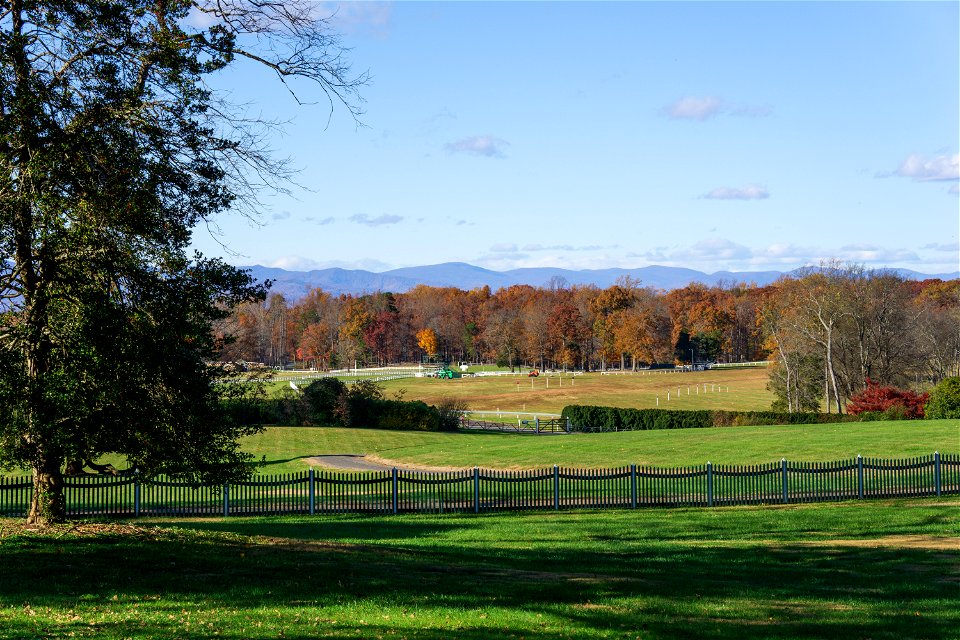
(373, 414)
(330, 403)
(592, 418)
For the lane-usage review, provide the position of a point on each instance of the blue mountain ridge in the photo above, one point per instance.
(294, 285)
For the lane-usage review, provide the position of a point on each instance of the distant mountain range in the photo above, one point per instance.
(295, 284)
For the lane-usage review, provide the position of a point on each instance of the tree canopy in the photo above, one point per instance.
(113, 148)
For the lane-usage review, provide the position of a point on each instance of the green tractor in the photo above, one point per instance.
(446, 373)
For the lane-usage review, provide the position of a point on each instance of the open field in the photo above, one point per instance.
(286, 448)
(851, 570)
(747, 390)
(734, 389)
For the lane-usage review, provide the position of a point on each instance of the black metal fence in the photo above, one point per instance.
(480, 490)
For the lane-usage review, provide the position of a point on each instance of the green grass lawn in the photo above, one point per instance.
(286, 448)
(850, 570)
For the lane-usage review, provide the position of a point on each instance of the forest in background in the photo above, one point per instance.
(828, 330)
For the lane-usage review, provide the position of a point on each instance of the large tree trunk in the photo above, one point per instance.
(49, 505)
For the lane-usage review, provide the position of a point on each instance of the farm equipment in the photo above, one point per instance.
(446, 373)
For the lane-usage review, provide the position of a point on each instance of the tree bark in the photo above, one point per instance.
(48, 504)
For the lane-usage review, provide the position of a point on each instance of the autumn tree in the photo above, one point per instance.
(605, 307)
(427, 340)
(112, 149)
(796, 378)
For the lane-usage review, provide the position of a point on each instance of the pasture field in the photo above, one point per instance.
(733, 389)
(743, 389)
(880, 570)
(286, 449)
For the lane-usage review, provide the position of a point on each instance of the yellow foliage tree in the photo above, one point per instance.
(427, 340)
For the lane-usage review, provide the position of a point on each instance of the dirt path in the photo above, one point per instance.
(358, 462)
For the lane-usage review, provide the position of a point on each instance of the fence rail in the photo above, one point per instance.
(481, 490)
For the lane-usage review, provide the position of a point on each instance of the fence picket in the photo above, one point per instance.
(495, 490)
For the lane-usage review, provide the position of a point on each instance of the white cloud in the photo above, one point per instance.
(748, 192)
(283, 215)
(924, 169)
(723, 254)
(386, 218)
(487, 146)
(715, 254)
(706, 107)
(872, 254)
(717, 249)
(300, 263)
(294, 263)
(951, 247)
(691, 108)
(200, 19)
(566, 247)
(357, 18)
(325, 221)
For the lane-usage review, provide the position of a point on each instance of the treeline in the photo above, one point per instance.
(829, 330)
(329, 402)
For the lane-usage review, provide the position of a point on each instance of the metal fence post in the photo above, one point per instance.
(394, 489)
(568, 424)
(556, 488)
(783, 466)
(633, 486)
(709, 484)
(226, 500)
(860, 476)
(936, 471)
(536, 423)
(313, 494)
(476, 490)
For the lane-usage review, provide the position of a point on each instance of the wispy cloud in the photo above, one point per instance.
(386, 218)
(692, 108)
(949, 247)
(294, 263)
(712, 254)
(923, 169)
(486, 146)
(748, 192)
(566, 247)
(283, 215)
(357, 18)
(706, 107)
(504, 247)
(300, 263)
(954, 189)
(325, 221)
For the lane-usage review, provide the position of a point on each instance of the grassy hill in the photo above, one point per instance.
(287, 448)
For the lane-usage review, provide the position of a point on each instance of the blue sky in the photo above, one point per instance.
(740, 136)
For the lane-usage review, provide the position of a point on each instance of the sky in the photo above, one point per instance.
(715, 136)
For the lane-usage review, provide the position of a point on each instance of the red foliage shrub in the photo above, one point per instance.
(904, 402)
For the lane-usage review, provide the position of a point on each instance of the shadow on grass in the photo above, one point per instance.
(571, 589)
(355, 527)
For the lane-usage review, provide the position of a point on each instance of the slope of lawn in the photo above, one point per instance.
(287, 448)
(880, 570)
